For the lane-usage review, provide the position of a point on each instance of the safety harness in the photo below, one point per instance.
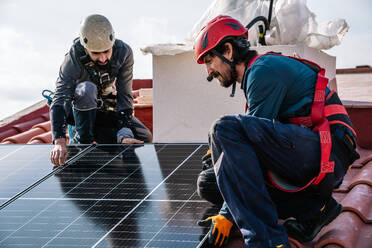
(325, 111)
(102, 76)
(104, 79)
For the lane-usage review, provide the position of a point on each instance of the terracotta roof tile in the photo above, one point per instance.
(7, 133)
(295, 244)
(346, 231)
(363, 177)
(23, 138)
(23, 120)
(24, 126)
(339, 196)
(46, 115)
(362, 121)
(365, 157)
(41, 138)
(359, 201)
(361, 173)
(6, 143)
(354, 70)
(141, 84)
(344, 187)
(44, 125)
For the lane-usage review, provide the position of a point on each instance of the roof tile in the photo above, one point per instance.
(346, 231)
(45, 138)
(295, 244)
(359, 201)
(364, 176)
(44, 125)
(365, 157)
(7, 133)
(141, 83)
(23, 138)
(361, 173)
(344, 187)
(24, 126)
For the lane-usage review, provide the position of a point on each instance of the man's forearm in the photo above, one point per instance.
(58, 121)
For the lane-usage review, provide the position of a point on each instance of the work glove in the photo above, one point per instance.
(124, 118)
(207, 160)
(220, 229)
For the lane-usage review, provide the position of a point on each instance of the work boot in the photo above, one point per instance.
(305, 231)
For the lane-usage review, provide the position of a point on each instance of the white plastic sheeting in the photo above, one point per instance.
(296, 24)
(292, 23)
(243, 10)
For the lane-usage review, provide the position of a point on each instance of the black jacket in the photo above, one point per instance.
(72, 71)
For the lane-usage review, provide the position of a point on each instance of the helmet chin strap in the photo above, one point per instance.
(232, 64)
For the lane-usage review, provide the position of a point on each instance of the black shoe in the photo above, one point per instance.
(305, 231)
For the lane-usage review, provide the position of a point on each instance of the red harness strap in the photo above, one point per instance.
(318, 121)
(320, 124)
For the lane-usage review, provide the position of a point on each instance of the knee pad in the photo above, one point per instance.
(85, 96)
(207, 187)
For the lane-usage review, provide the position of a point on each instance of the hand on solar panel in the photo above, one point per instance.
(220, 229)
(131, 141)
(59, 154)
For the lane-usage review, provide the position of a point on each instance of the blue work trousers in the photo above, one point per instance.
(243, 149)
(92, 124)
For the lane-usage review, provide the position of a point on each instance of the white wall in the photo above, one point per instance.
(185, 104)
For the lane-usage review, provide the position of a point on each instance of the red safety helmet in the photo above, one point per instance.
(216, 30)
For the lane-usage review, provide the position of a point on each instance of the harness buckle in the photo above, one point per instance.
(104, 79)
(99, 103)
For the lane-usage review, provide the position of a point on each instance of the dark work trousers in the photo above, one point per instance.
(95, 125)
(243, 149)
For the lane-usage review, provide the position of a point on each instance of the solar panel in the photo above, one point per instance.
(108, 196)
(23, 165)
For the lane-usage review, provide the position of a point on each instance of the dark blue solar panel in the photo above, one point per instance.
(23, 165)
(112, 196)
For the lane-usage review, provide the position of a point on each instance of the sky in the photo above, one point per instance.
(35, 35)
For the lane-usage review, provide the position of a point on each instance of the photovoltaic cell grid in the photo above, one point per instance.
(23, 165)
(112, 196)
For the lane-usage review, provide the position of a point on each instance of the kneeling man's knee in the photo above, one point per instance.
(85, 96)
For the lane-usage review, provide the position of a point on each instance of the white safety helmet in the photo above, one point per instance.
(96, 33)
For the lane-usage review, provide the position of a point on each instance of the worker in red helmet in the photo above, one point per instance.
(288, 152)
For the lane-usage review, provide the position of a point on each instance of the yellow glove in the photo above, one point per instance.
(207, 160)
(220, 229)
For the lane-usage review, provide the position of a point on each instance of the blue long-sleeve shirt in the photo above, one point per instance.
(278, 87)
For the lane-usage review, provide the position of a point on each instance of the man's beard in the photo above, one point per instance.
(226, 82)
(105, 66)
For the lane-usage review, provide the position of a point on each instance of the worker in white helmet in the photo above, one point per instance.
(94, 91)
